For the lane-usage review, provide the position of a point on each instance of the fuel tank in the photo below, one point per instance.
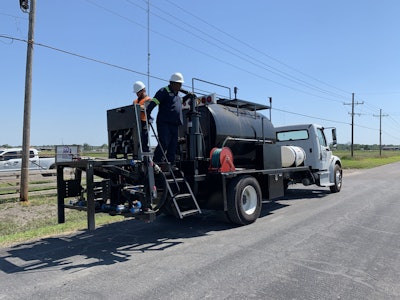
(292, 156)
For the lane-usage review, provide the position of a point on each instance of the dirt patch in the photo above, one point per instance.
(22, 214)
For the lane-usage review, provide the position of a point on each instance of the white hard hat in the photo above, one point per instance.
(176, 77)
(138, 86)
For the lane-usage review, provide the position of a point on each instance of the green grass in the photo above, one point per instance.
(95, 154)
(38, 219)
(367, 159)
(11, 234)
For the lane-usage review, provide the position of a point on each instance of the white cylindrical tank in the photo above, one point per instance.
(292, 156)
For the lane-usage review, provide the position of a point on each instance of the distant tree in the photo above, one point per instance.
(86, 147)
(343, 147)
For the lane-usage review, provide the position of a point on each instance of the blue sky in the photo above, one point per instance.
(309, 56)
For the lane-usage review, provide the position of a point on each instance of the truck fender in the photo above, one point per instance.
(335, 174)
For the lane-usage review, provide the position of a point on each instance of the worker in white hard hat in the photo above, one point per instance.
(140, 89)
(169, 117)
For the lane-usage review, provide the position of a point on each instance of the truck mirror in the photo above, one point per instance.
(334, 137)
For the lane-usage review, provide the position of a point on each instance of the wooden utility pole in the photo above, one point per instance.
(352, 121)
(380, 130)
(27, 103)
(352, 124)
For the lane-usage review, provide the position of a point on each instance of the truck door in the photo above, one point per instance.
(33, 161)
(325, 152)
(11, 161)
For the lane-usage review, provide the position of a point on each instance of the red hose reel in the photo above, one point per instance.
(221, 160)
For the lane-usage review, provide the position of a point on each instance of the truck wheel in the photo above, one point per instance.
(162, 191)
(244, 200)
(52, 167)
(337, 178)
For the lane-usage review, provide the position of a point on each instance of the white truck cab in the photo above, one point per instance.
(11, 160)
(325, 167)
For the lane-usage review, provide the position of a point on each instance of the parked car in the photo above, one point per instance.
(11, 160)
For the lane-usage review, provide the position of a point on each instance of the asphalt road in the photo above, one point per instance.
(312, 245)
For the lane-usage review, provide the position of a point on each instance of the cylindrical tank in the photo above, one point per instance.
(292, 156)
(225, 121)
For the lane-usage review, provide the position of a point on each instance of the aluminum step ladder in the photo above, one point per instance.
(181, 194)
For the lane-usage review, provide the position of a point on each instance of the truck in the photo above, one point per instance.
(230, 158)
(309, 142)
(11, 160)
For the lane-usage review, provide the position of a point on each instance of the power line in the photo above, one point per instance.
(392, 136)
(80, 56)
(159, 78)
(236, 52)
(196, 49)
(134, 71)
(218, 29)
(253, 48)
(15, 17)
(311, 117)
(91, 59)
(116, 14)
(396, 126)
(324, 119)
(394, 121)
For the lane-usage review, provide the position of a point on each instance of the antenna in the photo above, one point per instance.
(148, 46)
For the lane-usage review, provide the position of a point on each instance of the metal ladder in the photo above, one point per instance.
(181, 194)
(183, 199)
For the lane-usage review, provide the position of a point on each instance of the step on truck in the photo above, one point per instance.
(230, 158)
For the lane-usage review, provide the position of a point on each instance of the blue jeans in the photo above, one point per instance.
(168, 138)
(145, 137)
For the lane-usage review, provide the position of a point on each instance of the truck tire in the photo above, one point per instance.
(52, 167)
(337, 178)
(161, 184)
(244, 200)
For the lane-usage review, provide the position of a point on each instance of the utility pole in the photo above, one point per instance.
(27, 104)
(352, 124)
(270, 109)
(352, 121)
(380, 130)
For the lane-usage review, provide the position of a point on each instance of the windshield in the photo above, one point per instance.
(293, 135)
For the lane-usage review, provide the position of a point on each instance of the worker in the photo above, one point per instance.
(169, 117)
(140, 89)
